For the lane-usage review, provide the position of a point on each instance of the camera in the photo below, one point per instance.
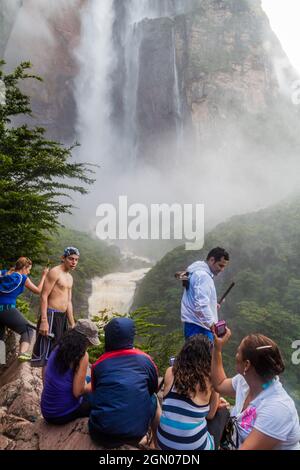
(220, 328)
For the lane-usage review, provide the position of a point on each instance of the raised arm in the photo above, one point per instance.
(37, 289)
(220, 382)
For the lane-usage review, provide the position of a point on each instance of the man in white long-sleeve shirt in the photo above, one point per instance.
(199, 305)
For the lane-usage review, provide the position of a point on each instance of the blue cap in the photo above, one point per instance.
(71, 250)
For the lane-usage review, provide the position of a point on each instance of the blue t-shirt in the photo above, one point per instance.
(11, 286)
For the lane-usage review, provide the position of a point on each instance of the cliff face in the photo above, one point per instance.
(181, 68)
(200, 68)
(52, 54)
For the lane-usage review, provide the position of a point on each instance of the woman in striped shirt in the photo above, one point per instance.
(189, 399)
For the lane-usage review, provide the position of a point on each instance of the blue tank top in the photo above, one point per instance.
(11, 290)
(57, 396)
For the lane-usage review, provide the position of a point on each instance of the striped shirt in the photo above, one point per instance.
(183, 424)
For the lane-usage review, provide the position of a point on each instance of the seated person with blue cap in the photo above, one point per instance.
(124, 385)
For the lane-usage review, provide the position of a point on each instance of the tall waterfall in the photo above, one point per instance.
(95, 57)
(109, 92)
(107, 85)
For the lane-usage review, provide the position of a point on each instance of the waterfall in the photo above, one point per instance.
(109, 99)
(177, 104)
(8, 14)
(114, 293)
(106, 87)
(95, 57)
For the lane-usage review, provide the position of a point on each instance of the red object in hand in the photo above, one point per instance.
(220, 328)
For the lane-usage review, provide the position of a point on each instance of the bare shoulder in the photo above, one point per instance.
(54, 273)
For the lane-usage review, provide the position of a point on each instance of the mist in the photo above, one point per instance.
(230, 172)
(228, 164)
(32, 33)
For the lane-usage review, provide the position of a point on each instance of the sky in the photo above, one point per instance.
(284, 16)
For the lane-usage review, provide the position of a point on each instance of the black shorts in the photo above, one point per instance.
(58, 325)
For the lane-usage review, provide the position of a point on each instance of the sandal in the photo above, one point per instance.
(24, 357)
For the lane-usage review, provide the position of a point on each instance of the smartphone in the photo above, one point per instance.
(220, 328)
(171, 361)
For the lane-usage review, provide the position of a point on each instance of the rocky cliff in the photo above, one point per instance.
(199, 63)
(51, 51)
(215, 63)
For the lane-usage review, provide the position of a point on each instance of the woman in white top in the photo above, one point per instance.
(266, 416)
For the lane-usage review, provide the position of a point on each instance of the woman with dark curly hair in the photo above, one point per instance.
(189, 399)
(65, 379)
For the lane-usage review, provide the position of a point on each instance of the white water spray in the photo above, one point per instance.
(95, 59)
(114, 293)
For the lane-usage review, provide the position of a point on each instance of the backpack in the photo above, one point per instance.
(10, 282)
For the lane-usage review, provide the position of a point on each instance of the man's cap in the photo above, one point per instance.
(71, 250)
(88, 329)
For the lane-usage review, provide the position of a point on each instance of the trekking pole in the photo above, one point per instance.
(226, 293)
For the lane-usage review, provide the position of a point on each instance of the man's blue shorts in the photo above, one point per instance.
(191, 329)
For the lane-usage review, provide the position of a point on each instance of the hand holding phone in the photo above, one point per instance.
(220, 328)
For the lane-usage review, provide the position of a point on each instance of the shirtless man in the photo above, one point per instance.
(56, 307)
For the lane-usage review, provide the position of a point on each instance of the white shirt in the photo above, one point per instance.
(272, 412)
(199, 302)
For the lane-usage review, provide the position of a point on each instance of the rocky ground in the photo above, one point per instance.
(21, 424)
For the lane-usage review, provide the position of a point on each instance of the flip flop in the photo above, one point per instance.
(24, 357)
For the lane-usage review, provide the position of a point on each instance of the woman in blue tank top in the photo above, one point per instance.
(65, 379)
(12, 284)
(189, 399)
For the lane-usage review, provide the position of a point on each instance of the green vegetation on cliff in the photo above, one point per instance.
(265, 264)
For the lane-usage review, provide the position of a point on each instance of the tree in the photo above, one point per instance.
(33, 173)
